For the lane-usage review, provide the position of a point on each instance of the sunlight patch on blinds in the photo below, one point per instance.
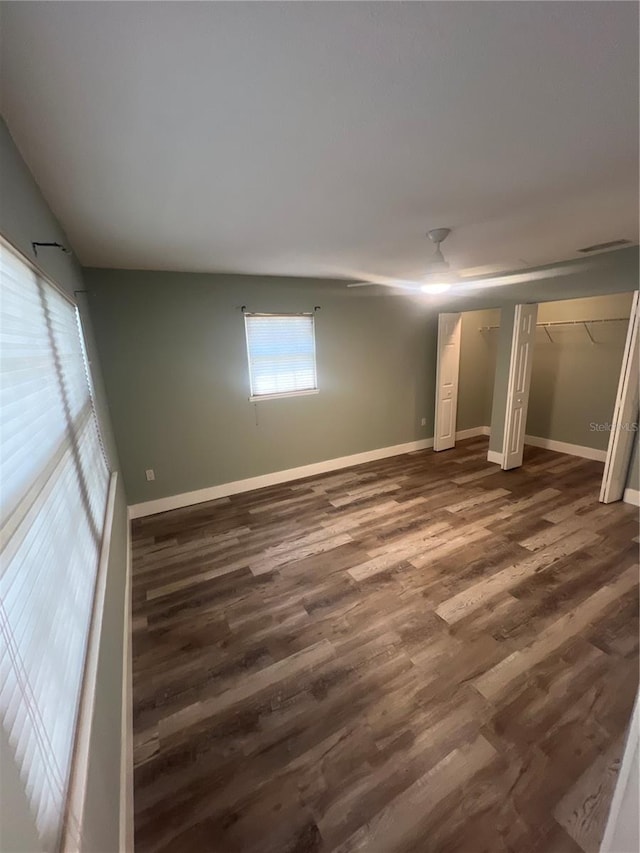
(282, 354)
(52, 506)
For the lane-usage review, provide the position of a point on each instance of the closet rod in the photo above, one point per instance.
(568, 323)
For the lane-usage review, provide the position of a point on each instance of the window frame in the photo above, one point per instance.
(304, 392)
(67, 833)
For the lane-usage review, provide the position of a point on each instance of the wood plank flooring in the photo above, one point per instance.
(421, 654)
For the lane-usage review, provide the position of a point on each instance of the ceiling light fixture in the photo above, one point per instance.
(440, 278)
(439, 287)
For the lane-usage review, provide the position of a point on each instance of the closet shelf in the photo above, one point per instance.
(584, 323)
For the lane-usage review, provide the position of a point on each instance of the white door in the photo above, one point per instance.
(524, 335)
(625, 412)
(448, 364)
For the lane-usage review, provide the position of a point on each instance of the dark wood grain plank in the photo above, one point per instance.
(421, 654)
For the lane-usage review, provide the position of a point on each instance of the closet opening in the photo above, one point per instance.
(465, 373)
(582, 396)
(576, 368)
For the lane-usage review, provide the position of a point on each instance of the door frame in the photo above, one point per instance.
(622, 818)
(625, 410)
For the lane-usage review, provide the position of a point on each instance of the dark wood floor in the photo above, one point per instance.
(418, 654)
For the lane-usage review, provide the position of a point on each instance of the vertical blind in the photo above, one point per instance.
(282, 353)
(54, 483)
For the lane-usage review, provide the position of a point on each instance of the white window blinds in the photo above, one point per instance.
(282, 354)
(53, 496)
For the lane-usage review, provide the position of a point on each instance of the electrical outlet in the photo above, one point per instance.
(424, 422)
(150, 474)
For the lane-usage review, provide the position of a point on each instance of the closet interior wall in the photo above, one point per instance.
(574, 380)
(477, 368)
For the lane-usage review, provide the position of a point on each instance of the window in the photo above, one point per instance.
(55, 483)
(282, 355)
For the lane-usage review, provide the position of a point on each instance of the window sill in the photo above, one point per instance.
(259, 397)
(78, 781)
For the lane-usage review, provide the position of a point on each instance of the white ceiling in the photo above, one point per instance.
(327, 138)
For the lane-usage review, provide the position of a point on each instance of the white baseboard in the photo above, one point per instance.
(472, 433)
(225, 489)
(237, 486)
(564, 447)
(126, 746)
(631, 496)
(558, 446)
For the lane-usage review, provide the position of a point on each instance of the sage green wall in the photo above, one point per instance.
(176, 372)
(607, 274)
(477, 366)
(175, 368)
(25, 217)
(574, 382)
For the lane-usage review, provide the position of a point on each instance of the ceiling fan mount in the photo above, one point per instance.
(438, 235)
(438, 261)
